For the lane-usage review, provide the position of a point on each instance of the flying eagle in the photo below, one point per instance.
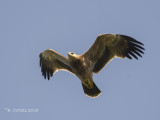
(105, 48)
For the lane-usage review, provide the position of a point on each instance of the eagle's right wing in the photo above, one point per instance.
(51, 62)
(108, 46)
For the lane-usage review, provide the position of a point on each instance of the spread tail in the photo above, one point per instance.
(93, 92)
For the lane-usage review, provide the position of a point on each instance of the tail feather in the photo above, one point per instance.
(93, 92)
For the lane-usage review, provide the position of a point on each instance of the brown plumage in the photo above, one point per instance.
(105, 48)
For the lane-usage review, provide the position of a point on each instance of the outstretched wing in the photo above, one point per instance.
(108, 46)
(51, 62)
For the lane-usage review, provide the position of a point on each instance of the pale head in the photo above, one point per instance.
(72, 56)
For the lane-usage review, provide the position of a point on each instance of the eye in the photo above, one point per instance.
(72, 53)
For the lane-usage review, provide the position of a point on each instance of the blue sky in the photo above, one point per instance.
(130, 88)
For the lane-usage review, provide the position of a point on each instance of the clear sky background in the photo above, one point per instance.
(130, 88)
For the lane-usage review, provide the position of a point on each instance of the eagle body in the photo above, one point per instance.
(105, 48)
(81, 69)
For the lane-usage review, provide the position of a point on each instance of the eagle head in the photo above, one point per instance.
(72, 56)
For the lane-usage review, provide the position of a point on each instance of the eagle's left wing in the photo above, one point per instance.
(108, 46)
(51, 62)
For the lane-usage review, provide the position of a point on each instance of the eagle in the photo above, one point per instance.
(104, 49)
